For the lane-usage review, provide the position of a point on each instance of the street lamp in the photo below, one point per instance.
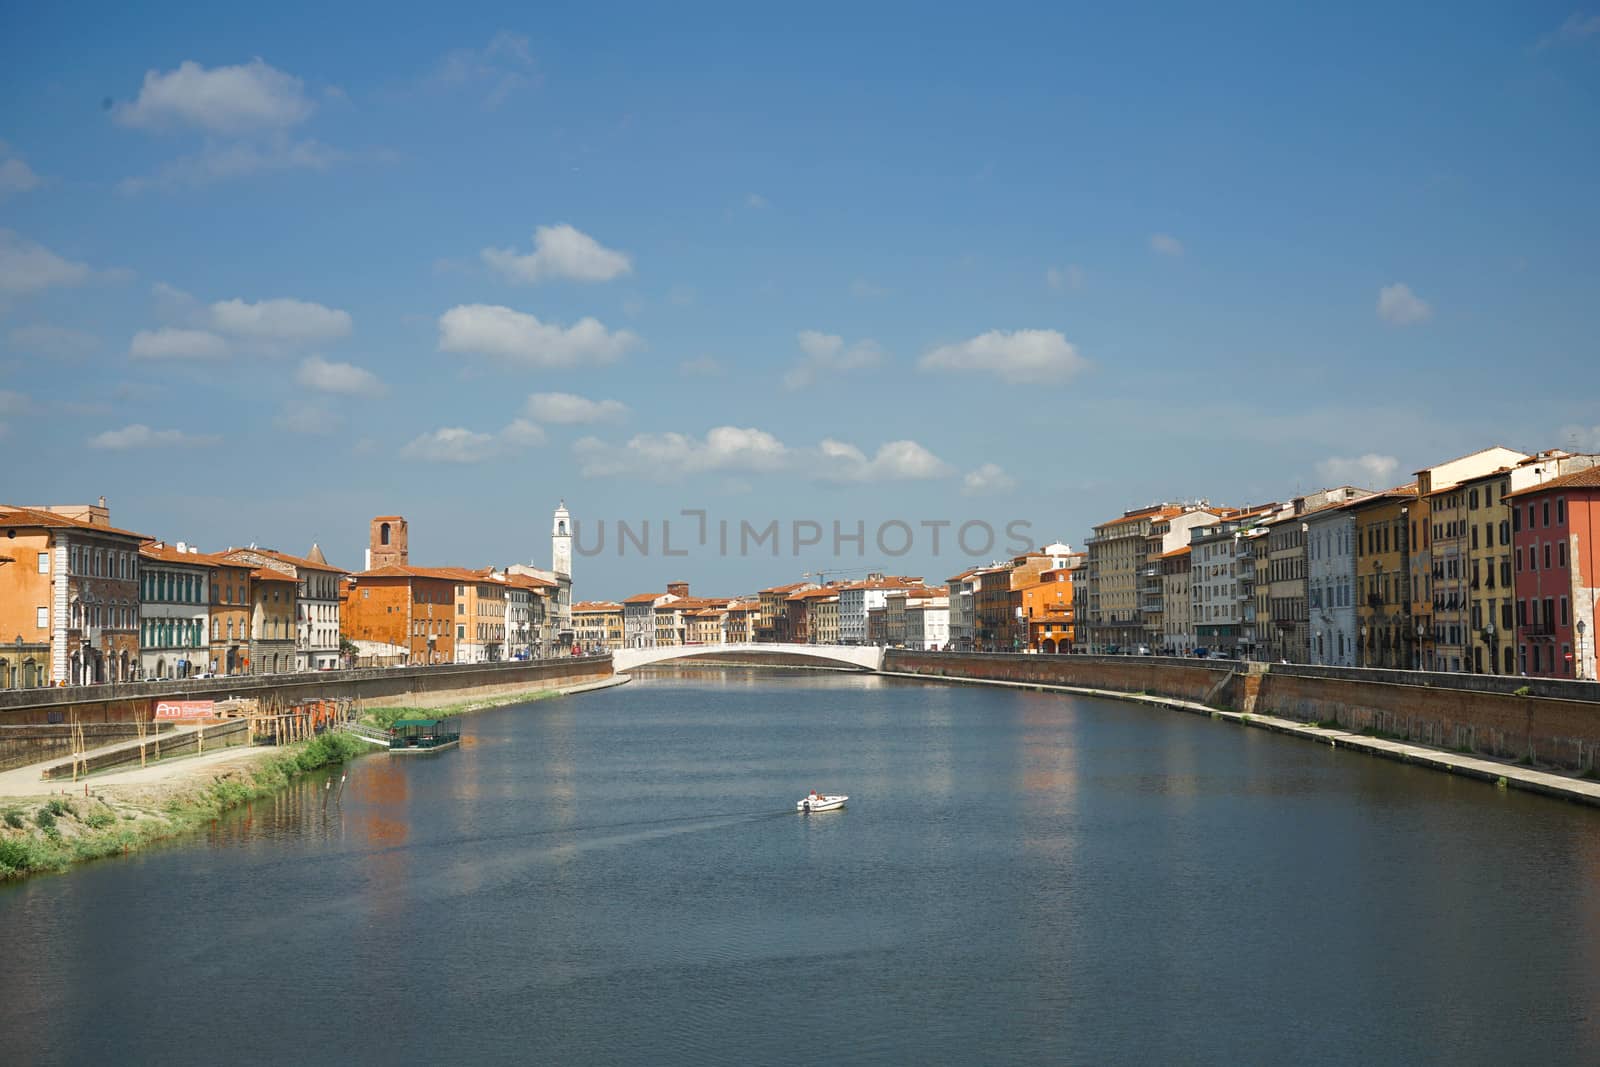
(1363, 644)
(1494, 649)
(1581, 627)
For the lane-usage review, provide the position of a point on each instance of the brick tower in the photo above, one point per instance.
(387, 543)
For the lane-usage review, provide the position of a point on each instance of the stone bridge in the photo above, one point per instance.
(861, 657)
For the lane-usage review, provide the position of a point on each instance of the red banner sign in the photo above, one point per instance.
(185, 709)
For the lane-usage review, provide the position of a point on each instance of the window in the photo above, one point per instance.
(1561, 553)
(1474, 537)
(1547, 555)
(1505, 531)
(461, 633)
(1561, 510)
(1566, 617)
(42, 618)
(44, 563)
(1473, 504)
(1547, 513)
(366, 594)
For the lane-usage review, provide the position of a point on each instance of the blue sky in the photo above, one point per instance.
(266, 273)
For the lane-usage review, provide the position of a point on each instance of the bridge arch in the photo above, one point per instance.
(860, 657)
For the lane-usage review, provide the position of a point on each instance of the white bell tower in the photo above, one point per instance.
(561, 541)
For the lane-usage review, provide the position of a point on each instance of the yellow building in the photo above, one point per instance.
(1385, 632)
(598, 624)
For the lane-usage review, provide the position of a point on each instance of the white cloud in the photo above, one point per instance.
(173, 303)
(252, 96)
(1021, 356)
(560, 251)
(455, 444)
(1370, 471)
(1399, 306)
(700, 367)
(309, 420)
(452, 444)
(670, 455)
(173, 343)
(492, 330)
(989, 478)
(12, 403)
(218, 162)
(894, 461)
(16, 177)
(755, 201)
(1063, 278)
(867, 290)
(27, 267)
(286, 321)
(522, 432)
(747, 450)
(567, 409)
(1578, 28)
(58, 342)
(1166, 244)
(346, 378)
(827, 352)
(499, 69)
(139, 435)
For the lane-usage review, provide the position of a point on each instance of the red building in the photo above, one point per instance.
(1556, 545)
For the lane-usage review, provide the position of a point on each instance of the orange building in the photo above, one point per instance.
(69, 596)
(230, 616)
(403, 614)
(1047, 611)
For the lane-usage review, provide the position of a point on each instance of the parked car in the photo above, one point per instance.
(1143, 650)
(1201, 653)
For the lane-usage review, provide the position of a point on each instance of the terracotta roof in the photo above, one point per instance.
(160, 550)
(814, 594)
(1584, 479)
(527, 581)
(297, 562)
(596, 606)
(1157, 512)
(644, 598)
(12, 515)
(1174, 554)
(267, 574)
(405, 570)
(791, 587)
(388, 518)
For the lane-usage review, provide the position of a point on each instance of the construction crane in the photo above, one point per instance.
(821, 576)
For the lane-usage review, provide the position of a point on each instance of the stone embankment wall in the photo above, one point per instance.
(228, 734)
(410, 686)
(1554, 722)
(22, 745)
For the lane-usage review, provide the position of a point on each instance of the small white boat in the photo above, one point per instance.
(820, 802)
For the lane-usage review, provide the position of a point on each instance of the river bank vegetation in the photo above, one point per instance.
(52, 833)
(383, 718)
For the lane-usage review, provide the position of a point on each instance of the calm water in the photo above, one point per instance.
(620, 877)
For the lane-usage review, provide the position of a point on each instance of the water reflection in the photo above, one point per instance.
(1019, 877)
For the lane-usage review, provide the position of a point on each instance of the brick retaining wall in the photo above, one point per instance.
(423, 686)
(1557, 723)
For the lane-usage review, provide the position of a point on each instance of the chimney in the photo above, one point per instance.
(181, 546)
(102, 500)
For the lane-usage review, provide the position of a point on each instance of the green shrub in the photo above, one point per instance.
(58, 806)
(14, 819)
(1522, 691)
(99, 820)
(46, 819)
(20, 855)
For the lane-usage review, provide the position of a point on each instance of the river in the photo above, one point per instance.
(1018, 878)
